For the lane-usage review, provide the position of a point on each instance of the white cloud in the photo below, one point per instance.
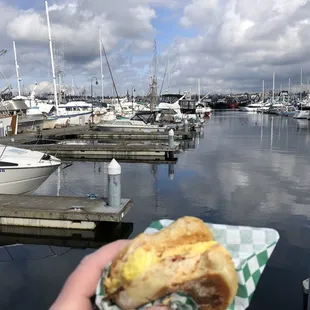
(241, 42)
(228, 44)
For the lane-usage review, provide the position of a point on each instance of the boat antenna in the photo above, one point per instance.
(114, 86)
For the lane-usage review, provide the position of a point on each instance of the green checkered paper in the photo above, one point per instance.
(250, 249)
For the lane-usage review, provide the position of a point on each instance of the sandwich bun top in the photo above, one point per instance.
(182, 257)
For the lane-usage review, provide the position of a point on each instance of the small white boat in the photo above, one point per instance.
(302, 114)
(128, 125)
(203, 109)
(23, 171)
(253, 107)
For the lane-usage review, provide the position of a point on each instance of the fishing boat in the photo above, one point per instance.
(74, 113)
(23, 171)
(19, 107)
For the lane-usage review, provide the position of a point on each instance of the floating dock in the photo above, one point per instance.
(83, 132)
(59, 212)
(107, 150)
(81, 143)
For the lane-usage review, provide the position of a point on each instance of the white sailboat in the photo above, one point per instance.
(201, 107)
(71, 113)
(23, 171)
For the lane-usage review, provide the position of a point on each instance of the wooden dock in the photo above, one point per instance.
(107, 150)
(110, 136)
(84, 132)
(59, 212)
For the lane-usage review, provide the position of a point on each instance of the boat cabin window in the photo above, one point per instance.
(122, 123)
(7, 164)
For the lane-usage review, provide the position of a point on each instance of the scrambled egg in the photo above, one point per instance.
(140, 260)
(137, 262)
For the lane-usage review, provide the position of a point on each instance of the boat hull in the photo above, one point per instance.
(49, 123)
(249, 109)
(17, 181)
(73, 120)
(303, 114)
(30, 123)
(287, 113)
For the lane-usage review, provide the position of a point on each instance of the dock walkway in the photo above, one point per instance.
(59, 211)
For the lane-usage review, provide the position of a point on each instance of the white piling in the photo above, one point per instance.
(171, 137)
(171, 171)
(305, 288)
(9, 131)
(186, 126)
(114, 184)
(1, 129)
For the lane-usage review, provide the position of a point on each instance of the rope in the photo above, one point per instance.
(34, 259)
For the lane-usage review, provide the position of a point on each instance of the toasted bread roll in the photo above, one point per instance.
(183, 257)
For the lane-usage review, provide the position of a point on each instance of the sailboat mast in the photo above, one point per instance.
(52, 56)
(17, 68)
(169, 76)
(289, 89)
(300, 83)
(101, 64)
(263, 96)
(72, 88)
(153, 89)
(198, 90)
(273, 82)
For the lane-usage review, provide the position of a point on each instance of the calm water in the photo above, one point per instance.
(246, 170)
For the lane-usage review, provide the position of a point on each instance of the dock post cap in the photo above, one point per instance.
(305, 286)
(114, 168)
(185, 121)
(1, 124)
(171, 132)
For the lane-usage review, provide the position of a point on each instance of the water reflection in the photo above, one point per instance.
(69, 238)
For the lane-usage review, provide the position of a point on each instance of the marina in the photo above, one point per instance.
(248, 169)
(109, 129)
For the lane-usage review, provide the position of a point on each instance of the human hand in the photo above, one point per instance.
(82, 283)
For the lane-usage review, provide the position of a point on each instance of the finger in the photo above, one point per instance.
(86, 276)
(83, 281)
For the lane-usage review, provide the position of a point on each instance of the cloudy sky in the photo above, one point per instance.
(231, 45)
